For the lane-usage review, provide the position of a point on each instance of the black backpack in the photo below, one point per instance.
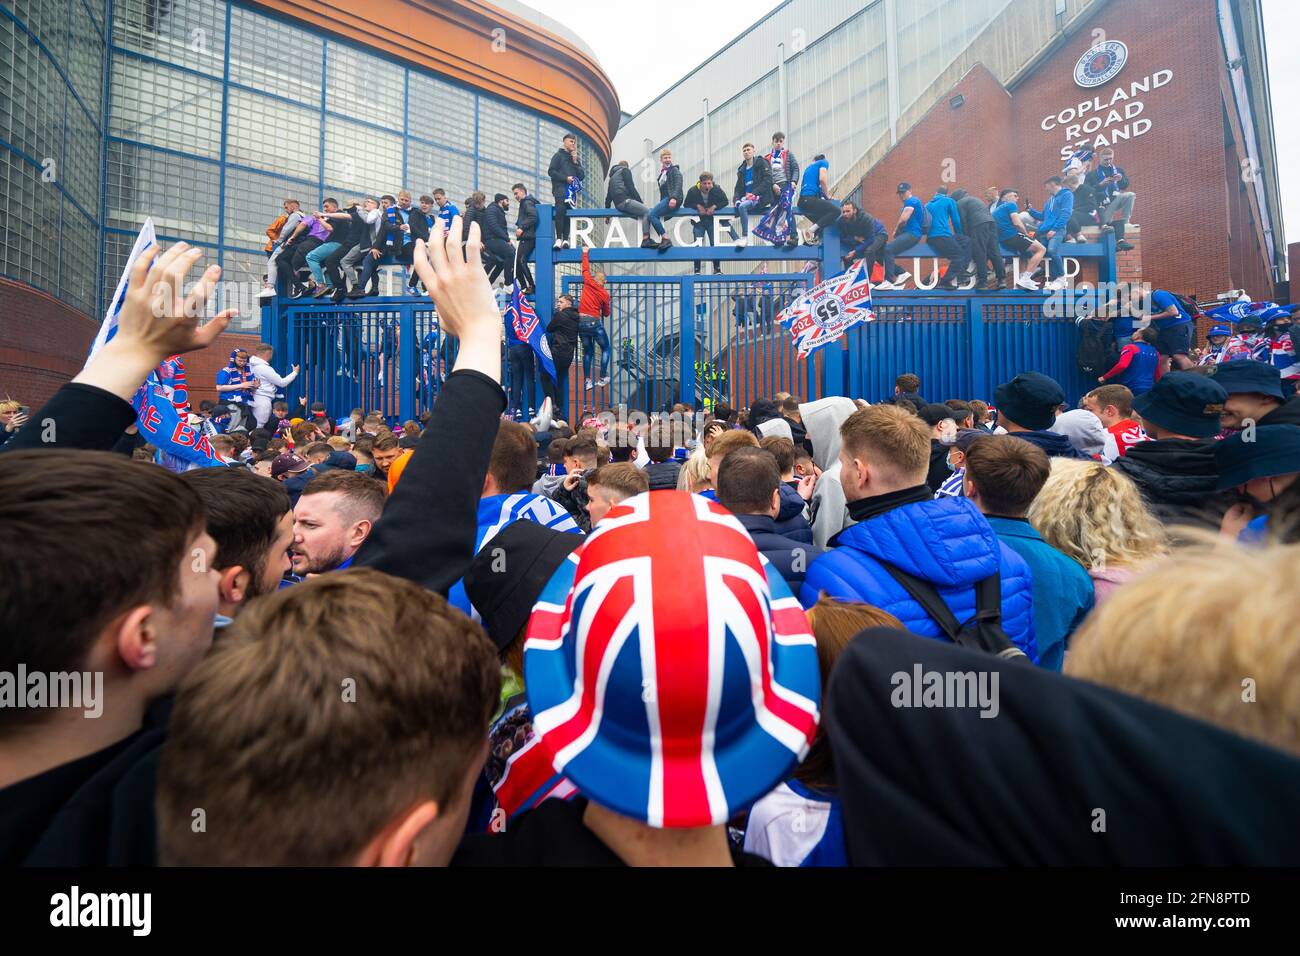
(1098, 351)
(983, 632)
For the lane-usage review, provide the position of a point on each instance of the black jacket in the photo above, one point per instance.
(561, 168)
(1288, 414)
(88, 417)
(1177, 477)
(563, 331)
(790, 557)
(762, 182)
(527, 218)
(1056, 446)
(421, 224)
(944, 786)
(469, 216)
(552, 834)
(621, 187)
(662, 475)
(939, 470)
(974, 212)
(494, 224)
(670, 184)
(695, 198)
(855, 231)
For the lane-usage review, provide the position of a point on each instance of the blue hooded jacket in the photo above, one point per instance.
(945, 541)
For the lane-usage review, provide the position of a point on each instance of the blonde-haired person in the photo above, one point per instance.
(1203, 650)
(694, 476)
(1096, 516)
(799, 823)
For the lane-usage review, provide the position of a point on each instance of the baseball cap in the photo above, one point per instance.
(1218, 330)
(671, 675)
(904, 187)
(289, 464)
(1184, 403)
(967, 437)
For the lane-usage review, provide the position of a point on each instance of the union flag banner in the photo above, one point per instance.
(825, 312)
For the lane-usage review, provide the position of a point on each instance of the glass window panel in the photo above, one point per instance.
(364, 86)
(80, 240)
(179, 193)
(507, 136)
(241, 279)
(96, 10)
(31, 98)
(48, 21)
(164, 107)
(749, 117)
(429, 167)
(362, 159)
(441, 112)
(494, 178)
(188, 33)
(253, 201)
(86, 62)
(80, 172)
(293, 148)
(270, 55)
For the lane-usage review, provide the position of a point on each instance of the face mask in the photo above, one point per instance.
(364, 468)
(951, 465)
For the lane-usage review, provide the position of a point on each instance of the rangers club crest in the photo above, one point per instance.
(1101, 64)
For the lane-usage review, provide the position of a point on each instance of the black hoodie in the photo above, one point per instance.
(1288, 414)
(1177, 477)
(943, 786)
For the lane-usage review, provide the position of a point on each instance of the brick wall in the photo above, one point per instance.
(43, 342)
(1200, 235)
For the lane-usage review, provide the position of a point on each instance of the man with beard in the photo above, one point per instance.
(332, 520)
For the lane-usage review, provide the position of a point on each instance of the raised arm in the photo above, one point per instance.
(428, 529)
(93, 410)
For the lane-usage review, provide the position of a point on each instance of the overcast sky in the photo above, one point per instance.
(642, 66)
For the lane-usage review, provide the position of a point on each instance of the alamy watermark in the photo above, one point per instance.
(956, 689)
(75, 690)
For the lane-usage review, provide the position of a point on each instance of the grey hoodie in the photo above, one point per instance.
(823, 419)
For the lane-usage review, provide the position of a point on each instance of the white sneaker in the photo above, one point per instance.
(883, 286)
(266, 293)
(559, 244)
(1027, 283)
(603, 382)
(589, 386)
(1058, 284)
(901, 279)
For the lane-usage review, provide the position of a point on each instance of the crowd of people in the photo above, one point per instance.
(474, 641)
(335, 252)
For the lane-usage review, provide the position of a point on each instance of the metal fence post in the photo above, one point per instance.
(686, 374)
(408, 374)
(979, 364)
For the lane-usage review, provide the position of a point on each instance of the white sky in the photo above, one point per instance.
(643, 64)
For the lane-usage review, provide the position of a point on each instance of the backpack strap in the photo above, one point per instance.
(988, 609)
(927, 595)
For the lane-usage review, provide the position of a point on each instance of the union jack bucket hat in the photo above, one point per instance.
(671, 674)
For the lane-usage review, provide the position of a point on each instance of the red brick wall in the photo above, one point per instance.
(201, 367)
(1190, 196)
(972, 143)
(43, 342)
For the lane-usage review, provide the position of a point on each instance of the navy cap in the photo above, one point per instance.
(1184, 403)
(967, 437)
(1274, 450)
(1030, 400)
(935, 413)
(1247, 375)
(904, 187)
(1218, 330)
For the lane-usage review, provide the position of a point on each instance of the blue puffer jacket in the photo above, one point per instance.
(945, 541)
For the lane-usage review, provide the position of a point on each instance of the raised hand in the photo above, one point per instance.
(452, 271)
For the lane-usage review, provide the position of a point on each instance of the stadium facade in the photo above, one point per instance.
(978, 93)
(205, 115)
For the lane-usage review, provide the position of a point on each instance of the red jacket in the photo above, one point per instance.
(594, 302)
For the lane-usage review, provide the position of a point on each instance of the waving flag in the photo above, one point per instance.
(775, 227)
(1078, 159)
(180, 445)
(527, 328)
(571, 191)
(825, 312)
